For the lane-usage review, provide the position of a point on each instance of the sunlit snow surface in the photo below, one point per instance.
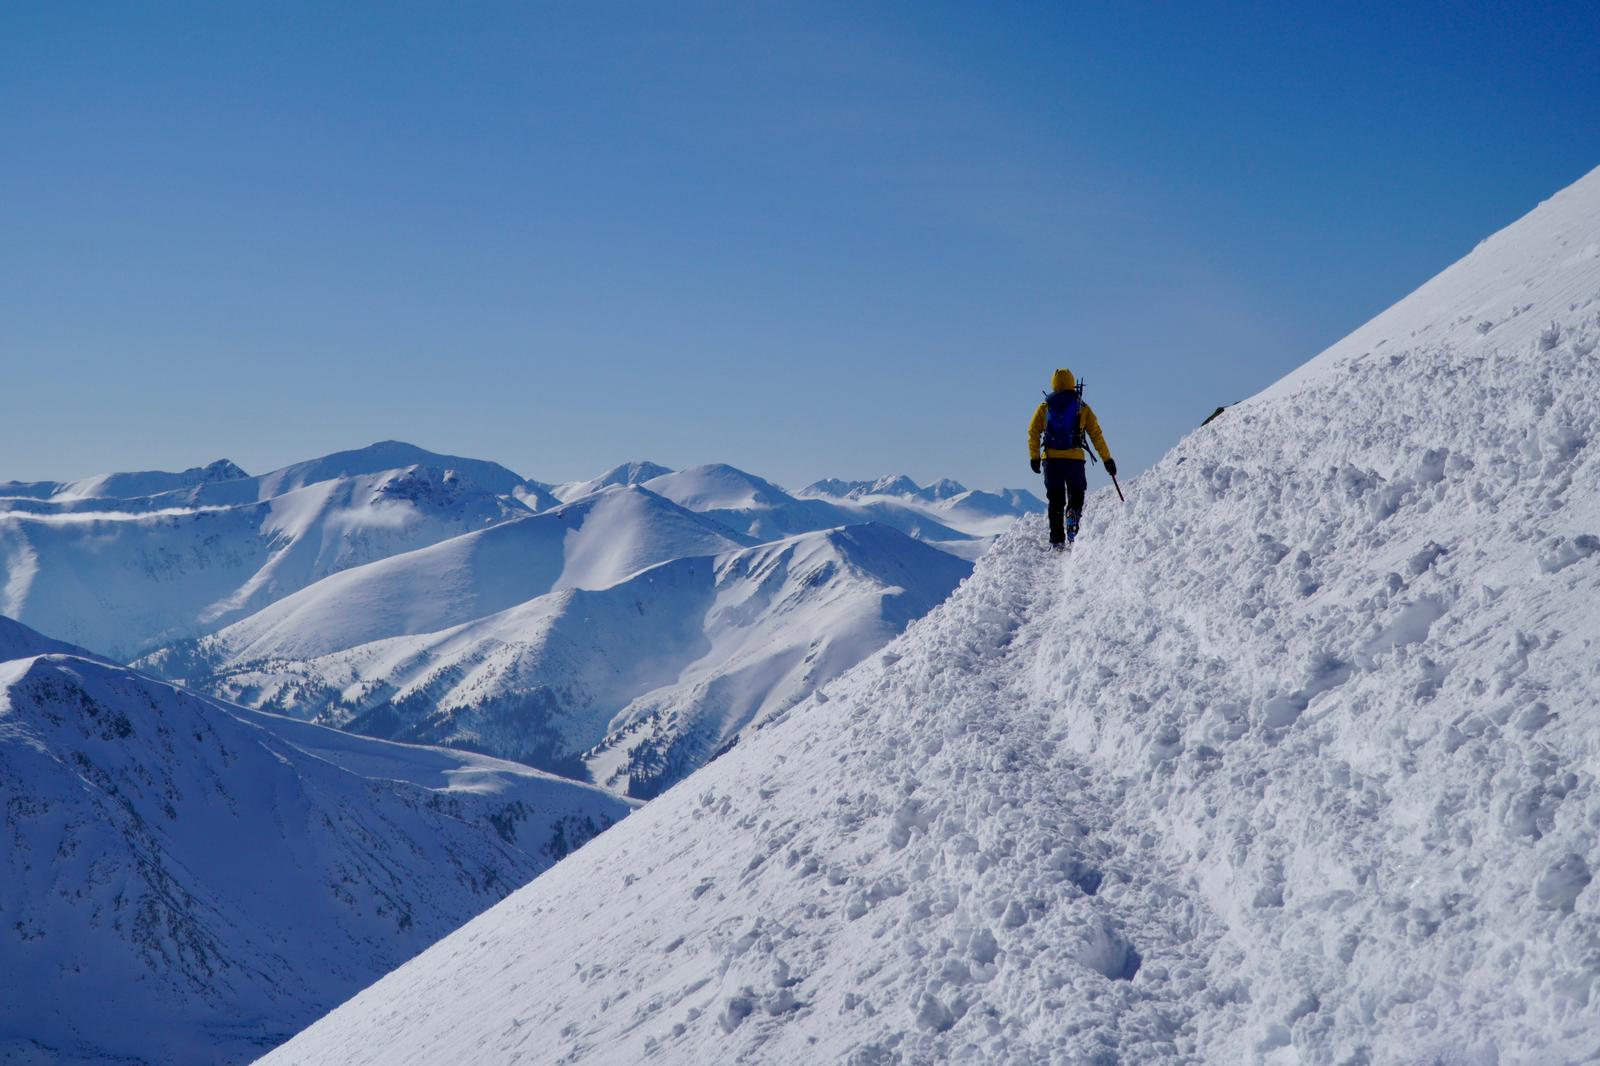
(126, 575)
(1293, 761)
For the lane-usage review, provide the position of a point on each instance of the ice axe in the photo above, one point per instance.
(1089, 451)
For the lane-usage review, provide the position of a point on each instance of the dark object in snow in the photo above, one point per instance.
(1212, 416)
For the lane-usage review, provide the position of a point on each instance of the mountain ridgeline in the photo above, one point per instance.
(206, 853)
(187, 881)
(621, 630)
(1291, 761)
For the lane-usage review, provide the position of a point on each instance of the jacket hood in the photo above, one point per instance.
(1062, 380)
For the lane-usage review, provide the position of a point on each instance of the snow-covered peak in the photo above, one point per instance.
(634, 473)
(636, 682)
(1007, 503)
(125, 486)
(388, 455)
(943, 489)
(717, 487)
(1292, 760)
(126, 581)
(895, 485)
(888, 485)
(222, 470)
(837, 488)
(591, 543)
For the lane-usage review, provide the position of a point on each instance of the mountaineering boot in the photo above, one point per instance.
(1057, 546)
(1072, 525)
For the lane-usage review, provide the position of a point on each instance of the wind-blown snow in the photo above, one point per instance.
(1292, 761)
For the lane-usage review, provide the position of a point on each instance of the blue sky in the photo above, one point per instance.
(807, 239)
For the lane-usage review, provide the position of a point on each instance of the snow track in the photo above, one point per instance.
(924, 860)
(1293, 761)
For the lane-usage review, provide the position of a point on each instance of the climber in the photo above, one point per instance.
(1062, 420)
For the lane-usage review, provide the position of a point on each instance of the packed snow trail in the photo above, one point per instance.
(921, 838)
(1292, 760)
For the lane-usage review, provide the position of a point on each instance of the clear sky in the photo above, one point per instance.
(807, 239)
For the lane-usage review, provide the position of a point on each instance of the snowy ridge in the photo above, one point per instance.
(593, 543)
(131, 563)
(635, 473)
(655, 670)
(765, 512)
(144, 483)
(128, 579)
(813, 894)
(949, 503)
(188, 882)
(1292, 761)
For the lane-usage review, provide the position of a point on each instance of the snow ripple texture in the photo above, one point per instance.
(1293, 761)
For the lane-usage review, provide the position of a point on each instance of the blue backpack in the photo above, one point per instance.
(1062, 431)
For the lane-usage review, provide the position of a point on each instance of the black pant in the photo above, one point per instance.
(1064, 484)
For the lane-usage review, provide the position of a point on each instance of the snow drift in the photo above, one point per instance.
(1293, 761)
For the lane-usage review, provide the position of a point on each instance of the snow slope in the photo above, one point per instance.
(654, 672)
(144, 483)
(593, 543)
(126, 580)
(635, 473)
(396, 455)
(780, 621)
(1293, 761)
(188, 882)
(17, 641)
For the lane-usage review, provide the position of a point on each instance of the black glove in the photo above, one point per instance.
(1111, 467)
(1034, 463)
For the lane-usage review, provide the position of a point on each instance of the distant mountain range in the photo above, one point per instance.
(190, 879)
(1294, 759)
(621, 629)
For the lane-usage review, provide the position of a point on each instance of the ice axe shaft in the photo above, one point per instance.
(1088, 449)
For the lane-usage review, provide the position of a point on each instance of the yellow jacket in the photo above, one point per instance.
(1063, 379)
